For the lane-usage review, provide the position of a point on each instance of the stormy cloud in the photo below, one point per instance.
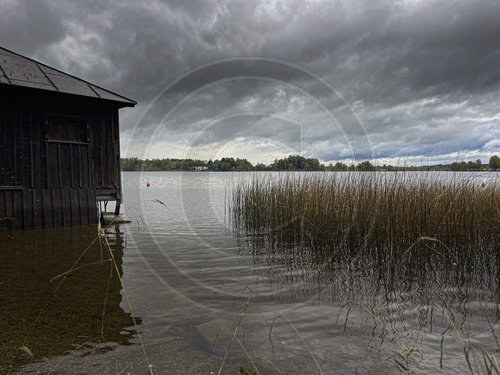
(403, 81)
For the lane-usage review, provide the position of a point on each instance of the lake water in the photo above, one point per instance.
(191, 284)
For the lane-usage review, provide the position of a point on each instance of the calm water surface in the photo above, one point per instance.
(191, 281)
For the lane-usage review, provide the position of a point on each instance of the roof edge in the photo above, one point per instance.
(127, 102)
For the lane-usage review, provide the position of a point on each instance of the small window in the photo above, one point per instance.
(67, 129)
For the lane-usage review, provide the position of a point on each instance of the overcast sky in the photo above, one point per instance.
(407, 81)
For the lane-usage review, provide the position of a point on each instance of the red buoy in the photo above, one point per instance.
(147, 184)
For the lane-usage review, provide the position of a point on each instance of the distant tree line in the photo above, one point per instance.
(494, 164)
(290, 163)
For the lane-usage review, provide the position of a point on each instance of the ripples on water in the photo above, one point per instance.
(184, 267)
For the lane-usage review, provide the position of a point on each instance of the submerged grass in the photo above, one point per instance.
(374, 210)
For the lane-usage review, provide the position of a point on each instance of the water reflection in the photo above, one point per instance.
(191, 250)
(424, 294)
(84, 314)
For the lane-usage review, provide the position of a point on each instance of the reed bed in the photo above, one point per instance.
(384, 211)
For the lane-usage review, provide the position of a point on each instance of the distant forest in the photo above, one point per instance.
(291, 163)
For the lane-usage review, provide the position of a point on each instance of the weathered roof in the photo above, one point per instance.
(18, 70)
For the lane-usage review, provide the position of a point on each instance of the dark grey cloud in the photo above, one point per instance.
(28, 26)
(421, 78)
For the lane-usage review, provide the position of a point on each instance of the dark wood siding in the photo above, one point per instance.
(51, 175)
(105, 150)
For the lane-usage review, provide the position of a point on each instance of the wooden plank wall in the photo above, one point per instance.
(105, 149)
(46, 183)
(35, 208)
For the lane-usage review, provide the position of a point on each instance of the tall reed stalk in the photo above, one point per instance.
(373, 210)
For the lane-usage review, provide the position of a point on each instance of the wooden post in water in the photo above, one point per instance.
(117, 207)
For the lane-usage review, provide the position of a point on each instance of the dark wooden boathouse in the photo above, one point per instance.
(59, 145)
